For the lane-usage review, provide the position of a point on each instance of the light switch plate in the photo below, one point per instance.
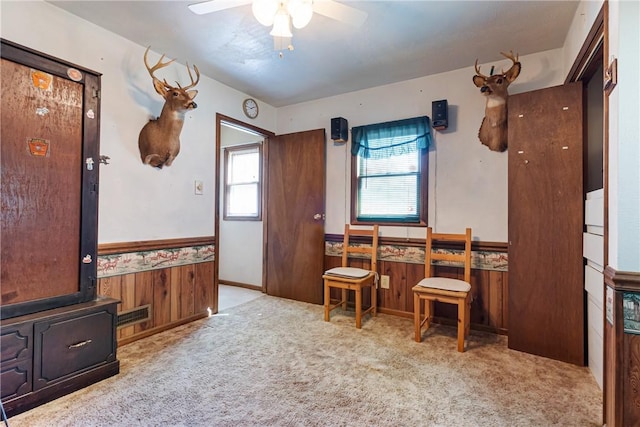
(198, 188)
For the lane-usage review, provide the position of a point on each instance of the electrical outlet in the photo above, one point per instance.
(384, 282)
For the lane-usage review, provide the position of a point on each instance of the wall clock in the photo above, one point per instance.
(250, 108)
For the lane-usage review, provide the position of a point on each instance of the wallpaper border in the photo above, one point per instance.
(135, 262)
(481, 260)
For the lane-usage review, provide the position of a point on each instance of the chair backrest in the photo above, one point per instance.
(350, 247)
(432, 255)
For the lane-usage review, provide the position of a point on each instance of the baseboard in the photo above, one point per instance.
(240, 285)
(148, 332)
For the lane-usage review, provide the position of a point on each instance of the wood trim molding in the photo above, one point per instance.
(240, 285)
(152, 331)
(622, 280)
(476, 245)
(149, 245)
(584, 58)
(231, 121)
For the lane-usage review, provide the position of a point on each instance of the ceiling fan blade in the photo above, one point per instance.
(340, 12)
(215, 5)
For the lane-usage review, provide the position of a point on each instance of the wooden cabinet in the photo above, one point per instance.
(546, 296)
(57, 335)
(16, 343)
(52, 353)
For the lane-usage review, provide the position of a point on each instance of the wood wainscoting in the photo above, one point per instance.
(622, 348)
(403, 261)
(160, 284)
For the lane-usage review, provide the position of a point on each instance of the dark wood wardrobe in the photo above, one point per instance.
(57, 335)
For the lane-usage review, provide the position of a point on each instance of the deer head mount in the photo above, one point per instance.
(493, 131)
(159, 139)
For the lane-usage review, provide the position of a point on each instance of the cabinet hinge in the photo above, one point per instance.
(96, 93)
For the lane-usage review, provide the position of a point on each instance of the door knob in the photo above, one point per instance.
(318, 216)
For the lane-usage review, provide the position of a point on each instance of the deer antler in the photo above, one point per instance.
(161, 64)
(479, 73)
(156, 67)
(512, 57)
(191, 77)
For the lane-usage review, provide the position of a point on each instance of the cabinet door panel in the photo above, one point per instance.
(16, 342)
(16, 379)
(41, 183)
(50, 114)
(16, 345)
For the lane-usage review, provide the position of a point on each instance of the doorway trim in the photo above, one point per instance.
(265, 134)
(597, 43)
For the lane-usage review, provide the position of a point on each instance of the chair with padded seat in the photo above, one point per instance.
(444, 289)
(354, 279)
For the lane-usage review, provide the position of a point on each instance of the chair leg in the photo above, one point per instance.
(327, 301)
(359, 308)
(374, 300)
(467, 328)
(416, 316)
(462, 322)
(428, 312)
(344, 300)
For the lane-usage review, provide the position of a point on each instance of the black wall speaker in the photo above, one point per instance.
(440, 114)
(339, 129)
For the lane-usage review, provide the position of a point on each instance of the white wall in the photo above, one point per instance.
(624, 127)
(468, 182)
(624, 137)
(137, 202)
(240, 242)
(581, 24)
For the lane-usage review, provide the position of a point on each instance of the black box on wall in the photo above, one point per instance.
(440, 114)
(339, 129)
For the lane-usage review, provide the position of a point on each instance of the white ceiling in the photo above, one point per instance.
(400, 40)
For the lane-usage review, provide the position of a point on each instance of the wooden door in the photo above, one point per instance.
(41, 156)
(50, 138)
(546, 296)
(295, 216)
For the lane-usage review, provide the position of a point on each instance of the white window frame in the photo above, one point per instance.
(229, 153)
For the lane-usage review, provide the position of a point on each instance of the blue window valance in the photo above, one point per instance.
(383, 140)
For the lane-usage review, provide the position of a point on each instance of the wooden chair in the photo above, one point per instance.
(443, 289)
(353, 279)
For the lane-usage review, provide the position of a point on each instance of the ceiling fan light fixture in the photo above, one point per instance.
(282, 43)
(301, 12)
(281, 26)
(265, 11)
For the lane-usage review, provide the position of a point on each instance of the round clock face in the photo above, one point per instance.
(250, 108)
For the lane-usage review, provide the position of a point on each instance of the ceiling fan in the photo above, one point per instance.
(280, 13)
(330, 8)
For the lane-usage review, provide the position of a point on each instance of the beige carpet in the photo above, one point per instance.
(275, 362)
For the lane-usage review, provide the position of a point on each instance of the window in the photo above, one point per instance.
(389, 171)
(243, 183)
